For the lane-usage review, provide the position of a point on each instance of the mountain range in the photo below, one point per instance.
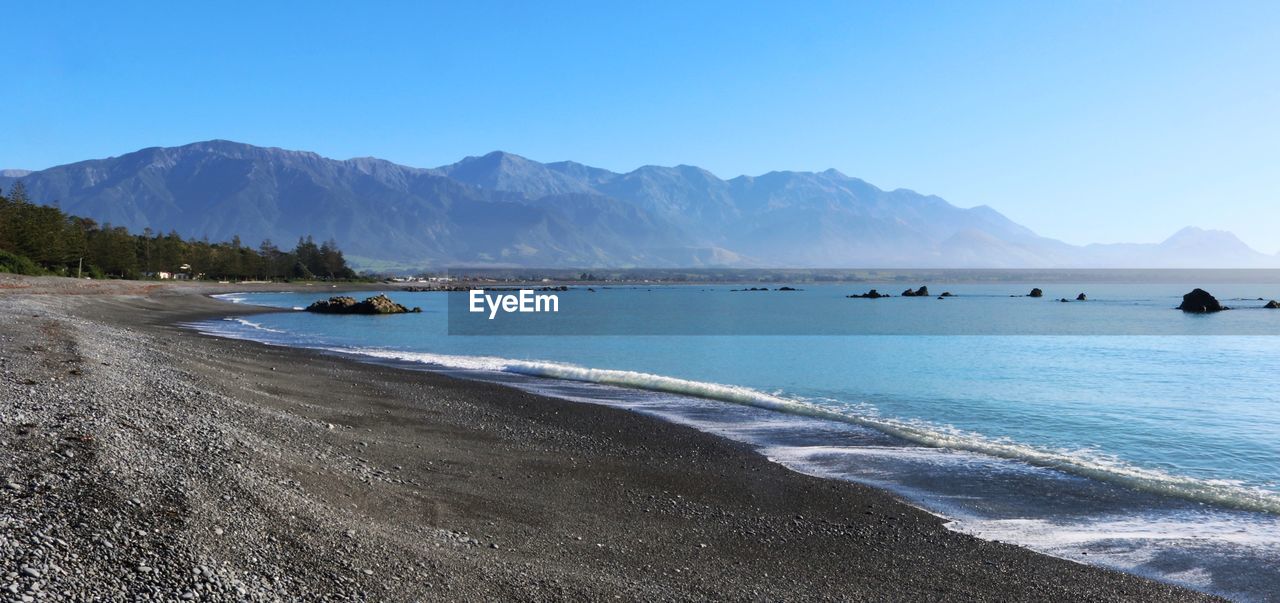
(505, 210)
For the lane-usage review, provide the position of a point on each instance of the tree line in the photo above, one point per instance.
(41, 239)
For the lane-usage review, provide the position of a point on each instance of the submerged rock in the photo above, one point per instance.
(946, 294)
(1200, 301)
(342, 304)
(1082, 297)
(1036, 293)
(1272, 305)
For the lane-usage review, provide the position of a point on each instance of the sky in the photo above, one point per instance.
(1086, 121)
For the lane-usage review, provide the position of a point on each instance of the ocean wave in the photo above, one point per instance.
(252, 325)
(251, 299)
(235, 298)
(1256, 531)
(1086, 463)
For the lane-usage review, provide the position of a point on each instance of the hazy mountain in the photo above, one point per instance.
(503, 209)
(687, 196)
(375, 209)
(12, 173)
(1188, 248)
(797, 218)
(780, 218)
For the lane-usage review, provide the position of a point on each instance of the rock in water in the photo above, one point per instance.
(341, 304)
(1272, 305)
(945, 294)
(872, 294)
(1201, 302)
(923, 291)
(338, 304)
(1082, 297)
(1036, 293)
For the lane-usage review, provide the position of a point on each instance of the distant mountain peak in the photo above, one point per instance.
(500, 157)
(219, 145)
(1196, 231)
(224, 148)
(1196, 234)
(503, 171)
(1217, 242)
(13, 173)
(684, 167)
(215, 143)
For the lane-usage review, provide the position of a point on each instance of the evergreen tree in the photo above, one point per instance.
(18, 193)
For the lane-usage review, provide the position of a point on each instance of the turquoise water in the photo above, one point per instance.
(1158, 454)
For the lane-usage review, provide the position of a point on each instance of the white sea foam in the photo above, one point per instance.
(235, 298)
(1079, 462)
(247, 299)
(1051, 535)
(1142, 544)
(253, 325)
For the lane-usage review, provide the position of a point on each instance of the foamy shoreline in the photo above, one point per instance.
(1125, 517)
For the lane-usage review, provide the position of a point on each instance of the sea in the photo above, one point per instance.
(1115, 431)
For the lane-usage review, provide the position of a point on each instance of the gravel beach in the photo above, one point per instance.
(143, 461)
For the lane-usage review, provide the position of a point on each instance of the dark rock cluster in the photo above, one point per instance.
(342, 304)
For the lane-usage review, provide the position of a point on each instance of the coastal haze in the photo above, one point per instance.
(501, 209)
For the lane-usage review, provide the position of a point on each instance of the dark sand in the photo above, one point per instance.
(289, 474)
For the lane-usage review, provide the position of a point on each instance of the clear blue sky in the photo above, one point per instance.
(1086, 121)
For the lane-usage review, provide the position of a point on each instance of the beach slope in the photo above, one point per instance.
(143, 460)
